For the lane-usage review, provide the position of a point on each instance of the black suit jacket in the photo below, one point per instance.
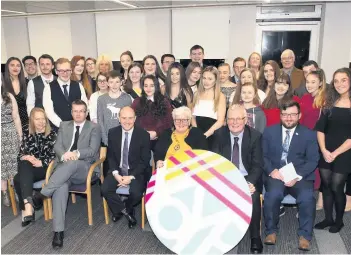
(251, 152)
(139, 152)
(195, 139)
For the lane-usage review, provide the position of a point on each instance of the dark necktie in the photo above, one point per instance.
(65, 92)
(76, 137)
(125, 155)
(47, 82)
(235, 156)
(286, 145)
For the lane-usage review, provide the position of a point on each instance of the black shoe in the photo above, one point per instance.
(131, 220)
(117, 217)
(256, 246)
(281, 211)
(37, 200)
(324, 224)
(57, 242)
(336, 227)
(26, 220)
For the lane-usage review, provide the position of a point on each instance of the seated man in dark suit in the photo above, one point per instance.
(128, 154)
(77, 148)
(242, 145)
(284, 143)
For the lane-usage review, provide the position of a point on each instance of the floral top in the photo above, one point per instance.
(39, 146)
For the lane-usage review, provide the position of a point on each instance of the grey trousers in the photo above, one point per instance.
(65, 174)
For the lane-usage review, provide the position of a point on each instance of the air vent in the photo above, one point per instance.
(291, 12)
(288, 9)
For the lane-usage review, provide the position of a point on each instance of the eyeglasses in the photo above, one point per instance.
(236, 119)
(284, 115)
(63, 71)
(101, 81)
(29, 64)
(181, 121)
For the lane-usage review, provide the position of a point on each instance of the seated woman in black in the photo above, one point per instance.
(182, 137)
(177, 89)
(36, 153)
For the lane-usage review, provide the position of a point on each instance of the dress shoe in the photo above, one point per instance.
(117, 217)
(323, 224)
(336, 227)
(37, 200)
(131, 220)
(26, 220)
(304, 244)
(271, 239)
(256, 246)
(57, 242)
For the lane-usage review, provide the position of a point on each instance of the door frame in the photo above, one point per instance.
(312, 26)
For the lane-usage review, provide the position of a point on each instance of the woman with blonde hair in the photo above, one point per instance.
(79, 74)
(209, 103)
(255, 63)
(36, 153)
(103, 64)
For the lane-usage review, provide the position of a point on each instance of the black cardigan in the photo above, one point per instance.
(196, 140)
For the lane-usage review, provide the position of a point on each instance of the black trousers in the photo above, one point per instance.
(255, 224)
(348, 185)
(333, 193)
(108, 190)
(24, 179)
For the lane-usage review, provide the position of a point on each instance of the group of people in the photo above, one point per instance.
(261, 119)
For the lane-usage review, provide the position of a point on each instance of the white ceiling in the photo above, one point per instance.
(40, 6)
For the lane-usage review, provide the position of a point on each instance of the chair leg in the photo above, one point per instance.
(74, 200)
(49, 201)
(12, 198)
(142, 213)
(107, 218)
(90, 207)
(261, 199)
(45, 208)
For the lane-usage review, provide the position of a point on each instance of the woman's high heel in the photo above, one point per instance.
(29, 218)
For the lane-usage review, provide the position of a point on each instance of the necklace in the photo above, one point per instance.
(174, 138)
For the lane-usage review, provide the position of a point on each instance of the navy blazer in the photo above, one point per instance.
(303, 150)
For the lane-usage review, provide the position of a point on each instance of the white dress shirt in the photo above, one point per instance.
(31, 92)
(241, 166)
(49, 106)
(292, 131)
(74, 132)
(93, 105)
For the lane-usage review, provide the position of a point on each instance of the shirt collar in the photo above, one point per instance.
(61, 82)
(45, 79)
(151, 98)
(129, 131)
(292, 130)
(81, 125)
(239, 135)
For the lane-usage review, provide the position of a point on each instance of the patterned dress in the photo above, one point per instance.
(228, 91)
(10, 143)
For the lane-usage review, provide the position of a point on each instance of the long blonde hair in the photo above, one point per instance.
(31, 126)
(201, 89)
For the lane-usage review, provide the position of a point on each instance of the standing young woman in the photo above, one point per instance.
(247, 95)
(193, 75)
(153, 110)
(109, 105)
(102, 89)
(15, 83)
(11, 135)
(279, 94)
(132, 85)
(248, 75)
(79, 74)
(334, 138)
(209, 104)
(311, 105)
(177, 88)
(227, 87)
(126, 59)
(255, 63)
(90, 66)
(268, 75)
(151, 67)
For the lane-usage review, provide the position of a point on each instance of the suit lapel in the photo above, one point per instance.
(294, 140)
(245, 144)
(84, 132)
(280, 140)
(119, 145)
(227, 150)
(133, 140)
(69, 136)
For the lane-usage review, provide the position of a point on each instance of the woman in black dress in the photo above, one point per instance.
(15, 83)
(177, 89)
(334, 138)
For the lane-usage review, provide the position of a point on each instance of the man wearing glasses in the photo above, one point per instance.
(285, 143)
(59, 94)
(241, 144)
(30, 65)
(295, 74)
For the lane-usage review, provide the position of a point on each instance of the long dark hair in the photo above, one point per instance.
(128, 86)
(184, 86)
(158, 73)
(332, 95)
(4, 94)
(271, 100)
(158, 107)
(8, 81)
(127, 53)
(262, 83)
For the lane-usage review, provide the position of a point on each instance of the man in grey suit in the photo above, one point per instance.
(76, 148)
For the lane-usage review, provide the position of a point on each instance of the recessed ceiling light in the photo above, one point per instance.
(13, 11)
